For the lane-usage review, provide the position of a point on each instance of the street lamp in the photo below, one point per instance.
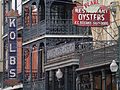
(113, 66)
(59, 75)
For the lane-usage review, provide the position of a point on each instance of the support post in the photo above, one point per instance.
(104, 79)
(119, 59)
(38, 63)
(31, 67)
(91, 80)
(74, 78)
(66, 78)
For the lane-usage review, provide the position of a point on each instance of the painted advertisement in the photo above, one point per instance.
(12, 48)
(96, 16)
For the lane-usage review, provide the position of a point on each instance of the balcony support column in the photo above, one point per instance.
(30, 8)
(74, 78)
(46, 80)
(91, 80)
(23, 64)
(66, 78)
(79, 82)
(23, 13)
(16, 5)
(30, 49)
(104, 79)
(53, 80)
(38, 63)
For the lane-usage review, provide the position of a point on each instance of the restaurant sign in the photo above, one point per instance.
(96, 15)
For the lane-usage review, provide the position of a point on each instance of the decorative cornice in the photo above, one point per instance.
(12, 13)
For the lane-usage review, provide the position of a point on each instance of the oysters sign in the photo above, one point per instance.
(95, 16)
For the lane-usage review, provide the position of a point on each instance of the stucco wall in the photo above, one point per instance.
(110, 32)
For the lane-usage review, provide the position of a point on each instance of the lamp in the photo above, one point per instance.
(113, 66)
(59, 75)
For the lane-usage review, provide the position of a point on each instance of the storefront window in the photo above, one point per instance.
(85, 83)
(98, 82)
(108, 82)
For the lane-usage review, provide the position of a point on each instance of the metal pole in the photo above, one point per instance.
(119, 58)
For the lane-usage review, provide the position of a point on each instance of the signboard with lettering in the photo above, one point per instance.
(98, 17)
(12, 48)
(12, 44)
(91, 14)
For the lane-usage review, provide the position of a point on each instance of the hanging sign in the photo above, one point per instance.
(12, 44)
(95, 15)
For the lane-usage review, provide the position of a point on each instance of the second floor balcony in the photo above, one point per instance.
(87, 53)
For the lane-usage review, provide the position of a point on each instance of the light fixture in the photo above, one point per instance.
(113, 66)
(59, 74)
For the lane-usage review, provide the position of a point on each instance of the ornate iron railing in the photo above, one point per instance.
(88, 52)
(65, 27)
(97, 56)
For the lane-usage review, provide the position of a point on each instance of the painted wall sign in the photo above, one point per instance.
(100, 16)
(12, 48)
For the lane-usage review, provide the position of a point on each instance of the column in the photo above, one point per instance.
(4, 64)
(38, 63)
(45, 52)
(79, 83)
(38, 14)
(8, 4)
(53, 80)
(30, 49)
(16, 5)
(103, 79)
(23, 13)
(23, 64)
(66, 78)
(46, 80)
(74, 78)
(91, 80)
(117, 78)
(30, 8)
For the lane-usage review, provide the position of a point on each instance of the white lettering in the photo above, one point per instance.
(80, 16)
(12, 35)
(12, 22)
(12, 60)
(11, 48)
(12, 73)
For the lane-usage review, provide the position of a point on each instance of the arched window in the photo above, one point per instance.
(34, 62)
(27, 62)
(34, 13)
(41, 10)
(42, 59)
(27, 17)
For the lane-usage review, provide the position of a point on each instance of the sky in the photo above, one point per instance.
(19, 8)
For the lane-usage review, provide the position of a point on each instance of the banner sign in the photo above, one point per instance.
(12, 48)
(95, 15)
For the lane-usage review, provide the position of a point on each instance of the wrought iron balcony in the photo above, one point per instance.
(99, 56)
(65, 27)
(88, 53)
(54, 27)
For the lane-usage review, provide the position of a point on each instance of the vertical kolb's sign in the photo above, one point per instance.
(12, 48)
(12, 15)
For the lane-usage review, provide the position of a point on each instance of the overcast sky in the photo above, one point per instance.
(18, 5)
